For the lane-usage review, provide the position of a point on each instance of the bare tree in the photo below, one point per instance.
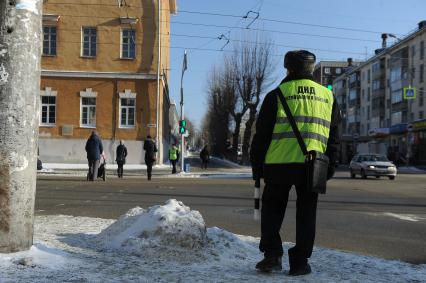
(20, 53)
(217, 117)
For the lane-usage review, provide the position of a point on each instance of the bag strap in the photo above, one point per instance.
(293, 124)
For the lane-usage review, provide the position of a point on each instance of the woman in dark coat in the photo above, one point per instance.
(150, 150)
(121, 154)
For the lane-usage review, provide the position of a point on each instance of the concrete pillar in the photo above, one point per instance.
(20, 52)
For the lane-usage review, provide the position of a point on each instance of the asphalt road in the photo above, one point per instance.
(375, 216)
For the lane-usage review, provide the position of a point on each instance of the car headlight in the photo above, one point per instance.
(371, 167)
(391, 168)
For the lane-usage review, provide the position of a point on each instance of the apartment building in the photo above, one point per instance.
(325, 72)
(377, 113)
(100, 73)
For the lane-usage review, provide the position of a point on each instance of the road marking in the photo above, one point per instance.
(61, 204)
(406, 217)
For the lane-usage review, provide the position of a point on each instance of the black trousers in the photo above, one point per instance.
(174, 166)
(120, 168)
(274, 203)
(149, 170)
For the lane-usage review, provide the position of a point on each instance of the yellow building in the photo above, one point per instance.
(100, 72)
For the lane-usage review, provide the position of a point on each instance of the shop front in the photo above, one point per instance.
(418, 142)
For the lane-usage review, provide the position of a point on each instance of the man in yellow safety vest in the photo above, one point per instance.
(174, 157)
(277, 157)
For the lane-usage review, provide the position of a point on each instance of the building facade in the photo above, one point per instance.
(376, 106)
(100, 73)
(325, 72)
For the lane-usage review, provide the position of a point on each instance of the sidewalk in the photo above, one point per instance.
(139, 170)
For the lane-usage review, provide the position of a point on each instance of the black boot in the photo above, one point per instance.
(298, 265)
(301, 270)
(269, 264)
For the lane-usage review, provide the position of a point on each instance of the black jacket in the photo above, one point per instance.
(204, 154)
(150, 150)
(121, 153)
(285, 173)
(94, 147)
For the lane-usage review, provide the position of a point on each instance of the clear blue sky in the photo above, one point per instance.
(390, 16)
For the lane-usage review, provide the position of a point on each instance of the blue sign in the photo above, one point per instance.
(409, 93)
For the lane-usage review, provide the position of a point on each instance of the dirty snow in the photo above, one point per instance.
(139, 247)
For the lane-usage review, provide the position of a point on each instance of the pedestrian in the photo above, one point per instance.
(277, 158)
(94, 149)
(205, 157)
(174, 157)
(121, 154)
(150, 150)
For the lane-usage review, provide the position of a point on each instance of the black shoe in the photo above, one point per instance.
(269, 264)
(303, 270)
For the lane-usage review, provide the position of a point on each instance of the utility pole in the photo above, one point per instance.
(20, 52)
(182, 113)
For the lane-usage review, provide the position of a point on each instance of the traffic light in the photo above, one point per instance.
(182, 127)
(330, 86)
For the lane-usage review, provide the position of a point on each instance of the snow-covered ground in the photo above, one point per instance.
(170, 243)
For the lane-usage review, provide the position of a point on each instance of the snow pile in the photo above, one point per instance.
(170, 243)
(171, 225)
(40, 255)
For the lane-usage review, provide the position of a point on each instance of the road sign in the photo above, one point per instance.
(409, 92)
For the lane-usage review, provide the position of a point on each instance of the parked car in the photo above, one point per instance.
(372, 165)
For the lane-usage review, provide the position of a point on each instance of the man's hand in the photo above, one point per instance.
(257, 171)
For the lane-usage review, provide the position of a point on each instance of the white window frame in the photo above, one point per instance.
(90, 42)
(327, 70)
(50, 41)
(127, 94)
(49, 93)
(87, 94)
(121, 44)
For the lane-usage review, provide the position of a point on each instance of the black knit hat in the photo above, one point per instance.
(300, 61)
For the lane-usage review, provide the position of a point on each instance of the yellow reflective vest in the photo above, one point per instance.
(311, 106)
(173, 153)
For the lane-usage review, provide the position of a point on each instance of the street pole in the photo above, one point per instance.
(157, 126)
(182, 114)
(20, 52)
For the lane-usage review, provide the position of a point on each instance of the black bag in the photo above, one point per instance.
(316, 163)
(39, 164)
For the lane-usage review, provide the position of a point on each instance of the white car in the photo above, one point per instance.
(372, 165)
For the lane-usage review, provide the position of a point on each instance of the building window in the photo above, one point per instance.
(413, 73)
(413, 50)
(128, 46)
(396, 96)
(363, 94)
(88, 111)
(127, 112)
(368, 76)
(422, 49)
(376, 85)
(421, 95)
(421, 75)
(326, 70)
(48, 110)
(49, 41)
(368, 112)
(396, 118)
(421, 115)
(368, 93)
(338, 71)
(89, 42)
